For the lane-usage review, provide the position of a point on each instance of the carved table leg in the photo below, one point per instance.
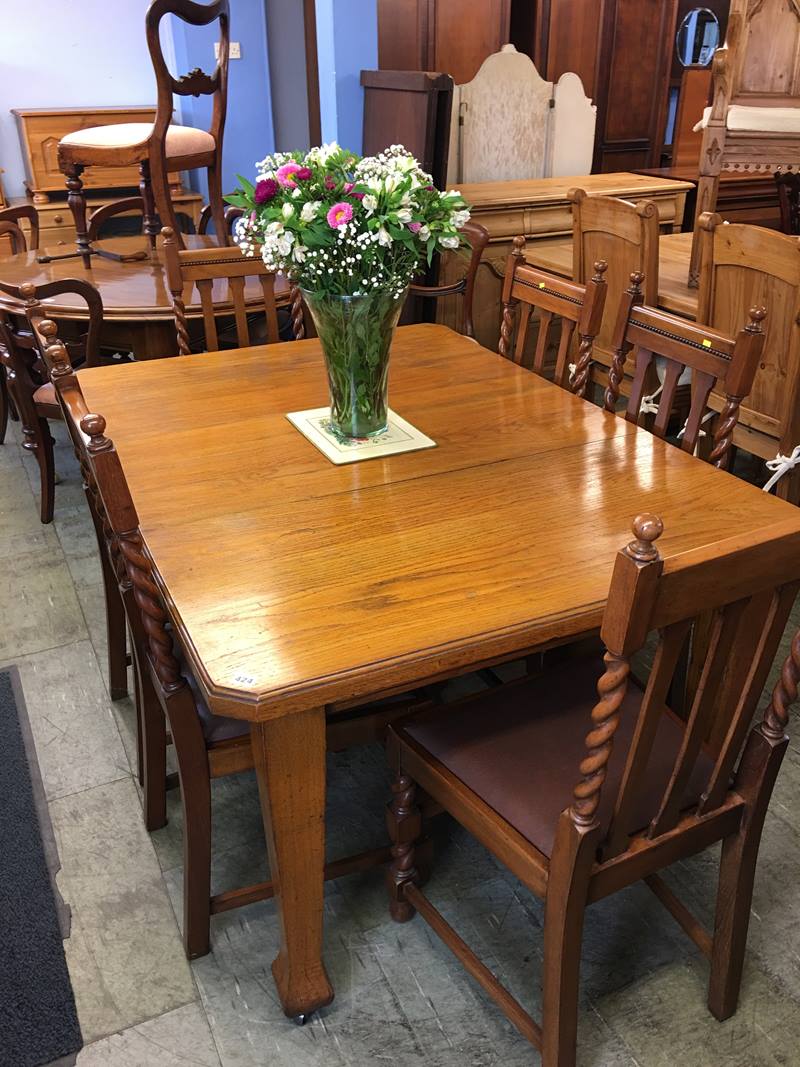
(289, 756)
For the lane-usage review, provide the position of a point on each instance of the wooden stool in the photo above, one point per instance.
(160, 148)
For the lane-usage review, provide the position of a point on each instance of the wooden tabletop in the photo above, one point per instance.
(295, 582)
(554, 190)
(131, 292)
(674, 249)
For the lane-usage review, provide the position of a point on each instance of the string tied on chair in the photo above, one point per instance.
(648, 405)
(700, 433)
(780, 465)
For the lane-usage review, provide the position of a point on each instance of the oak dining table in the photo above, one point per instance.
(137, 308)
(674, 250)
(293, 583)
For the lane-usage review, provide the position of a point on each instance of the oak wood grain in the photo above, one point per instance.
(429, 562)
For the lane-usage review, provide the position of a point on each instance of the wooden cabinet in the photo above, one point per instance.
(40, 130)
(57, 228)
(452, 36)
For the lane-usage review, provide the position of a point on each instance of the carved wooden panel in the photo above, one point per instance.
(770, 49)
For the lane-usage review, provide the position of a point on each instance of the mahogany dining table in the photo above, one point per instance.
(137, 309)
(293, 583)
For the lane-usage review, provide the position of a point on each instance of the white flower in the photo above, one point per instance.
(284, 243)
(310, 210)
(424, 232)
(287, 210)
(274, 229)
(296, 192)
(458, 218)
(449, 242)
(299, 253)
(404, 214)
(384, 237)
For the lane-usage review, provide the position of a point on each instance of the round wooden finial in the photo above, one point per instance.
(600, 267)
(94, 426)
(167, 233)
(637, 280)
(646, 529)
(518, 246)
(48, 329)
(757, 316)
(27, 291)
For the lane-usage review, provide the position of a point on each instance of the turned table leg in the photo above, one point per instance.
(289, 755)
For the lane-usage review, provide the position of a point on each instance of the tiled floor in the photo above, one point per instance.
(400, 998)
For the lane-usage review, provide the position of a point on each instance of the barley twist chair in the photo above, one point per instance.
(17, 243)
(162, 148)
(580, 798)
(206, 745)
(718, 362)
(578, 307)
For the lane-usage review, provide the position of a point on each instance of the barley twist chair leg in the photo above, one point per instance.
(404, 823)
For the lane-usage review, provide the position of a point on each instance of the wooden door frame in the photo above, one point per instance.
(312, 72)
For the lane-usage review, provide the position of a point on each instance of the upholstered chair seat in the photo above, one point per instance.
(180, 140)
(756, 119)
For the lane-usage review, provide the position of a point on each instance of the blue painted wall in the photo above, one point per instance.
(347, 43)
(249, 132)
(58, 54)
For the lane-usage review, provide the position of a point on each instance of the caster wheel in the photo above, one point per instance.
(301, 1020)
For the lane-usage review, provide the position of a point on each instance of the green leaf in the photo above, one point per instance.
(246, 185)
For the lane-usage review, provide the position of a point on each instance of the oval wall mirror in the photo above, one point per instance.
(698, 36)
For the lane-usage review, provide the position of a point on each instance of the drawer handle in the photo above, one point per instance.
(58, 218)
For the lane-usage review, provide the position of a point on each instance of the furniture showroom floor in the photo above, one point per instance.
(400, 997)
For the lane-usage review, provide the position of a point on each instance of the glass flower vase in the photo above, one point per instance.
(356, 334)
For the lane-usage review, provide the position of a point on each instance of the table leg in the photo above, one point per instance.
(154, 340)
(289, 755)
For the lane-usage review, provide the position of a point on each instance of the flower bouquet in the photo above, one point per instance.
(352, 232)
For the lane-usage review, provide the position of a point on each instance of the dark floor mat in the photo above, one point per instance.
(38, 1020)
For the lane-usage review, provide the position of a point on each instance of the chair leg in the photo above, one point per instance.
(756, 777)
(404, 822)
(707, 192)
(151, 751)
(43, 449)
(137, 698)
(216, 202)
(77, 204)
(4, 405)
(159, 185)
(570, 867)
(788, 488)
(149, 219)
(192, 756)
(117, 632)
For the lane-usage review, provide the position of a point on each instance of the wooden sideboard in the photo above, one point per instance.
(539, 209)
(56, 226)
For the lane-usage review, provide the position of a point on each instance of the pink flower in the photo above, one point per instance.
(339, 215)
(265, 190)
(358, 196)
(415, 227)
(329, 182)
(286, 173)
(349, 186)
(303, 174)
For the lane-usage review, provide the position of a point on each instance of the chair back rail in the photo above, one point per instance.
(29, 297)
(574, 306)
(750, 589)
(625, 236)
(98, 218)
(10, 218)
(478, 238)
(231, 215)
(716, 361)
(195, 83)
(745, 266)
(200, 268)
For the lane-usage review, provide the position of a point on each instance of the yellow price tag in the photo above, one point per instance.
(706, 343)
(541, 285)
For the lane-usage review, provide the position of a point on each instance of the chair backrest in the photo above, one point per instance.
(748, 266)
(760, 60)
(788, 185)
(86, 348)
(231, 214)
(478, 238)
(10, 218)
(101, 215)
(196, 82)
(622, 234)
(202, 267)
(749, 588)
(574, 305)
(114, 512)
(717, 362)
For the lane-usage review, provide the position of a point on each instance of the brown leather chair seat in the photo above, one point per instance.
(519, 748)
(45, 400)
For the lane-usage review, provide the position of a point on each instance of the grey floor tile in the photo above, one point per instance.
(181, 1038)
(78, 743)
(38, 605)
(78, 540)
(21, 530)
(124, 952)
